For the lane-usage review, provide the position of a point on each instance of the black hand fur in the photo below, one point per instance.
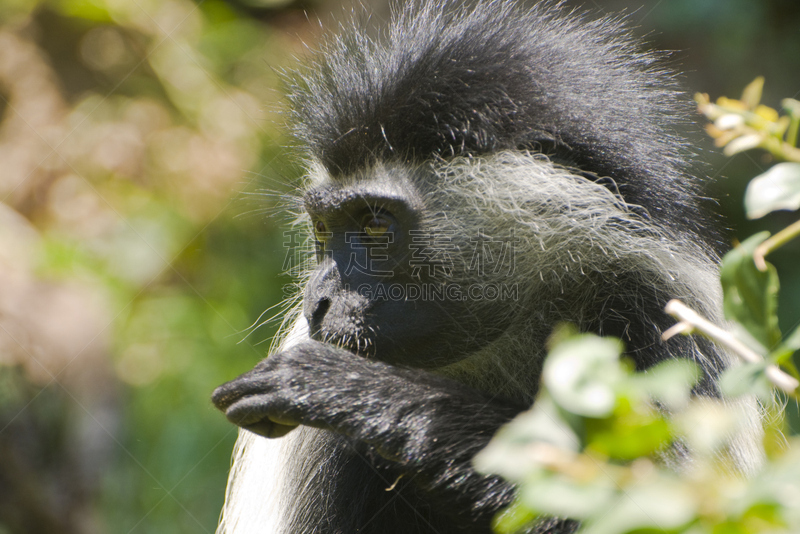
(428, 426)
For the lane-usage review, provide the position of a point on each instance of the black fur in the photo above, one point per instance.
(450, 80)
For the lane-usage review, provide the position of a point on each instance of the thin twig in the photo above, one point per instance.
(777, 240)
(691, 320)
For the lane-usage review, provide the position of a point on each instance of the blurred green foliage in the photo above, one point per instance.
(137, 141)
(751, 284)
(601, 442)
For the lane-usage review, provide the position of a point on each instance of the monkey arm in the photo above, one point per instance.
(429, 426)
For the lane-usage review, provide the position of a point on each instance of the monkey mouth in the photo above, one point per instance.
(356, 342)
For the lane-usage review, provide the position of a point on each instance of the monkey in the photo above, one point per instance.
(475, 175)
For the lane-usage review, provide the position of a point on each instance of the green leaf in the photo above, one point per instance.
(746, 379)
(508, 453)
(783, 353)
(558, 496)
(512, 519)
(743, 143)
(670, 382)
(662, 504)
(751, 95)
(708, 425)
(750, 295)
(582, 373)
(632, 436)
(790, 368)
(777, 483)
(792, 341)
(791, 106)
(776, 189)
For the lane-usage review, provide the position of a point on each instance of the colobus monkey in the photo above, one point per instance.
(476, 175)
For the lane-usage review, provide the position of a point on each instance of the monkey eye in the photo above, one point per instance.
(376, 225)
(321, 233)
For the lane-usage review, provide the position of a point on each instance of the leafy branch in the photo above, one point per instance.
(691, 321)
(744, 124)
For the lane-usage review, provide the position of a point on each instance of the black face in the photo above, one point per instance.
(381, 288)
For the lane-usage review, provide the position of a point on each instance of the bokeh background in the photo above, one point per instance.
(144, 162)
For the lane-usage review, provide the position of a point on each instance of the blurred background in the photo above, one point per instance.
(143, 161)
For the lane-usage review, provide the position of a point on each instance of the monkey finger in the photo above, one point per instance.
(224, 396)
(257, 409)
(270, 429)
(248, 384)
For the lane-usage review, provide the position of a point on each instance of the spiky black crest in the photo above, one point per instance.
(451, 81)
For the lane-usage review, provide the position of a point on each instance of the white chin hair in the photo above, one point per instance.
(257, 478)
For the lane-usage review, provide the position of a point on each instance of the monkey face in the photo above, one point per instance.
(385, 285)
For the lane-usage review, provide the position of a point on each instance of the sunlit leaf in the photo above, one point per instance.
(731, 103)
(661, 505)
(743, 143)
(729, 121)
(670, 382)
(707, 425)
(508, 453)
(776, 189)
(559, 496)
(767, 113)
(632, 436)
(746, 379)
(581, 374)
(778, 483)
(513, 518)
(783, 353)
(792, 341)
(791, 106)
(751, 96)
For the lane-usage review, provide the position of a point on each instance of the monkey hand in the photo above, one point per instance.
(315, 384)
(323, 386)
(422, 422)
(265, 400)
